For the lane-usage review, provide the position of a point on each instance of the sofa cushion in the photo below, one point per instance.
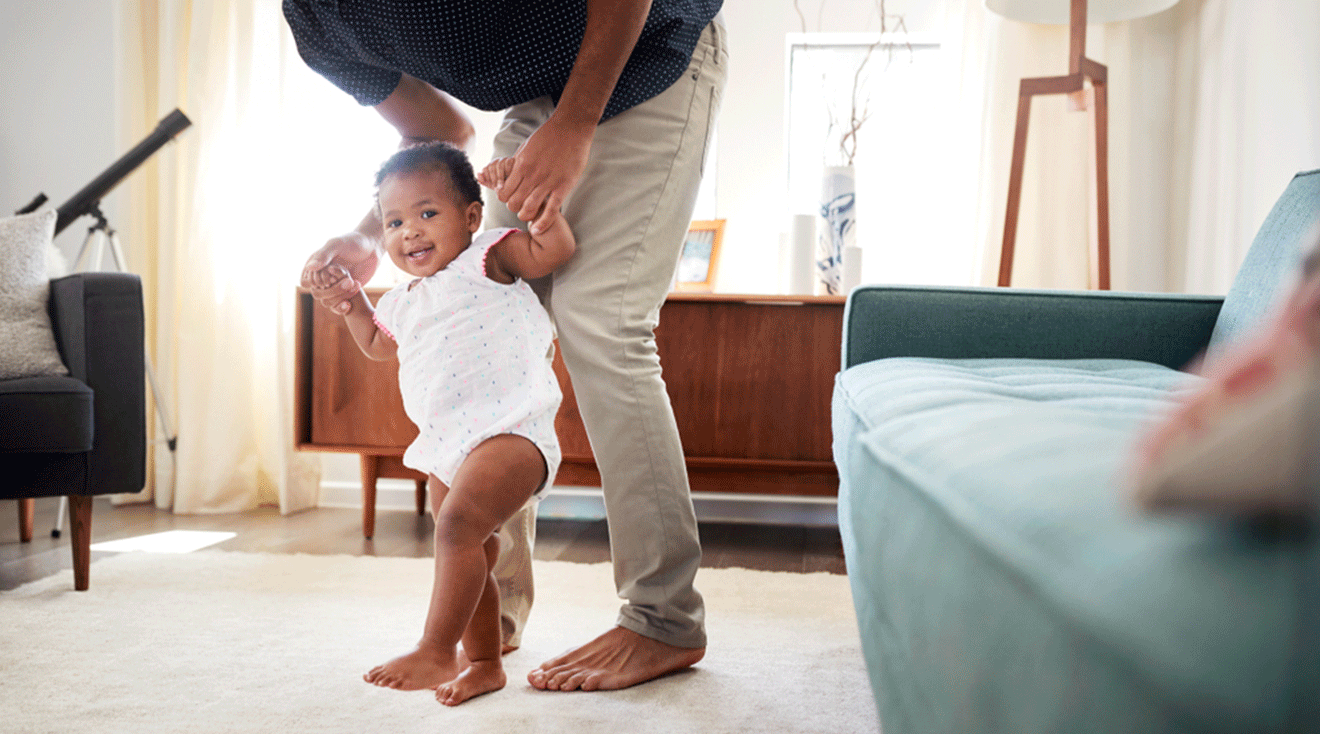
(1003, 582)
(913, 394)
(44, 415)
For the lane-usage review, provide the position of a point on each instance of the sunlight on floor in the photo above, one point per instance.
(173, 541)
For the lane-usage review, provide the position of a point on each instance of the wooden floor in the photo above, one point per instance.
(327, 531)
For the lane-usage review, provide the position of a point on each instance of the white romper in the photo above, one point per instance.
(474, 362)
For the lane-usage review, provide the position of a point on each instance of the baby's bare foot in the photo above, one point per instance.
(419, 669)
(482, 676)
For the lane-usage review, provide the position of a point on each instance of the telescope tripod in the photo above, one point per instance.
(99, 235)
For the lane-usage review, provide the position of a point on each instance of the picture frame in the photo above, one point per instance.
(699, 262)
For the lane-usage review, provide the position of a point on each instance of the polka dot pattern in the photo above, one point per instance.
(472, 362)
(491, 54)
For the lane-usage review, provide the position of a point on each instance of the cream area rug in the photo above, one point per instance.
(219, 641)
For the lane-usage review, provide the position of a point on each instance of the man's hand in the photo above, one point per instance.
(354, 259)
(549, 164)
(545, 170)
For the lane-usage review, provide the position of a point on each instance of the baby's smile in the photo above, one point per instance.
(420, 253)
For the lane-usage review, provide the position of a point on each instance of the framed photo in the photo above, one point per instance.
(700, 260)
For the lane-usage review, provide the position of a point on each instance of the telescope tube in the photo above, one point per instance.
(82, 202)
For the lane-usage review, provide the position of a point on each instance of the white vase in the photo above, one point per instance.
(837, 228)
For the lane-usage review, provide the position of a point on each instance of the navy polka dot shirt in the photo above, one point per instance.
(491, 54)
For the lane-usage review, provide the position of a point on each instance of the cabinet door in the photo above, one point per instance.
(751, 380)
(355, 401)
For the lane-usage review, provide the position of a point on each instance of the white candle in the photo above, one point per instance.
(802, 255)
(852, 268)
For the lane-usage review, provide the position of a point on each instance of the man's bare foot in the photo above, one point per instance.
(617, 659)
(477, 678)
(418, 670)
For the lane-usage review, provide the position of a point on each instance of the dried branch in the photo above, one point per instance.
(859, 110)
(855, 120)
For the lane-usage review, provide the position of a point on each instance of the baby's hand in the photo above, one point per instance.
(329, 275)
(495, 173)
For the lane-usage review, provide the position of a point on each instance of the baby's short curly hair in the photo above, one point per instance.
(435, 156)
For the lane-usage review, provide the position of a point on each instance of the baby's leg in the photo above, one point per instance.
(494, 481)
(429, 664)
(482, 641)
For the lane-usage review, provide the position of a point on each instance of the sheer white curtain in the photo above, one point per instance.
(1214, 104)
(224, 223)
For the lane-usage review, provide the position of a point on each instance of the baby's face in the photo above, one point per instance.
(425, 227)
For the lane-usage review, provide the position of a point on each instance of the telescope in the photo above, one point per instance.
(88, 199)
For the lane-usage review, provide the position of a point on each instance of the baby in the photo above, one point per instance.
(472, 341)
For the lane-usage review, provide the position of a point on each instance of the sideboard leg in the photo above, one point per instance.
(370, 471)
(421, 496)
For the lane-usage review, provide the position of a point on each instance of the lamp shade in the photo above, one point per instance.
(1055, 12)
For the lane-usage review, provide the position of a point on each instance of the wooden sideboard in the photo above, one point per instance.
(749, 376)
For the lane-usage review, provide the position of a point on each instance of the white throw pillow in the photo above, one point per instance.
(27, 345)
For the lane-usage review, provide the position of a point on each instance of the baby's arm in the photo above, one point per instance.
(522, 254)
(360, 319)
(370, 338)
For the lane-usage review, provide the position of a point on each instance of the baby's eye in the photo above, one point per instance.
(394, 223)
(428, 214)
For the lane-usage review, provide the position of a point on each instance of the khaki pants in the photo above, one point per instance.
(630, 213)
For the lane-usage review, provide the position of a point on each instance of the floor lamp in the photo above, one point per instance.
(1080, 69)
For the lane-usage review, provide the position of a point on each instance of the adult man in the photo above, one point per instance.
(610, 104)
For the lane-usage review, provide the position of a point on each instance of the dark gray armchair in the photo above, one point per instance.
(84, 434)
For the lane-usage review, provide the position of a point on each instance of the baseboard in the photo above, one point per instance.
(586, 503)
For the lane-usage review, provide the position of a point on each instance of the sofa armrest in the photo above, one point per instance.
(970, 322)
(98, 323)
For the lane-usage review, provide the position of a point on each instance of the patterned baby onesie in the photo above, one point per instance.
(473, 362)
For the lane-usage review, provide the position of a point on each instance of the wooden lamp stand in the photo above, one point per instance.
(1080, 69)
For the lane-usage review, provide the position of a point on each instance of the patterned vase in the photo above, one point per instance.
(837, 228)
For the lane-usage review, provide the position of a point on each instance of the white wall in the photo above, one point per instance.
(58, 128)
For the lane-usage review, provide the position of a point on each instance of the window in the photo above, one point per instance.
(895, 86)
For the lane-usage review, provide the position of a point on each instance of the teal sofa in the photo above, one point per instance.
(1003, 581)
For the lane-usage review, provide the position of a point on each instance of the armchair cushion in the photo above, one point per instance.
(25, 332)
(45, 415)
